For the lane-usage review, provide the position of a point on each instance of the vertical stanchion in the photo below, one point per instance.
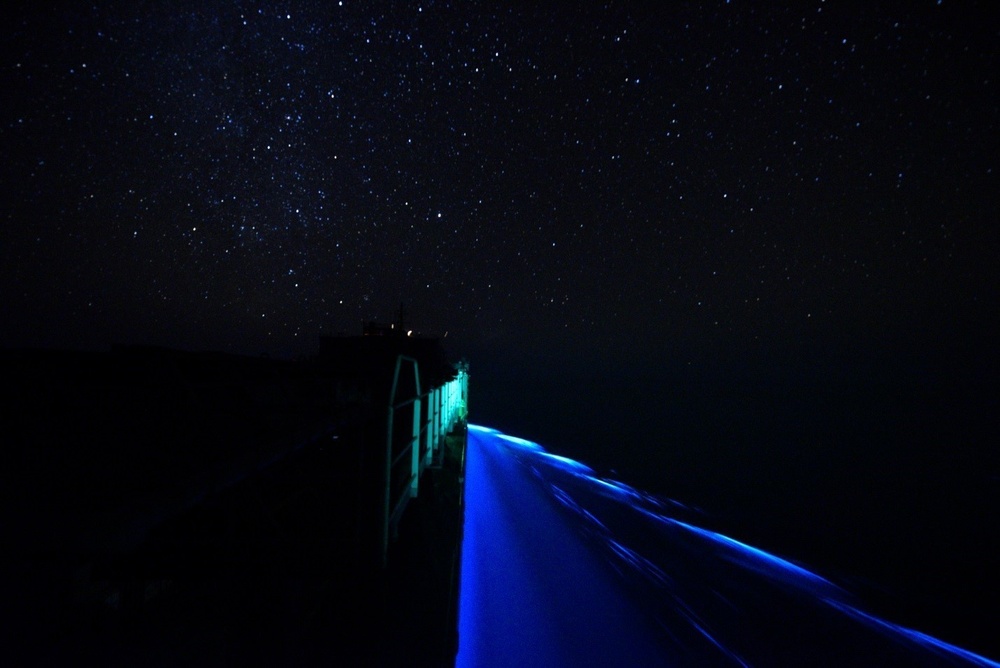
(434, 419)
(440, 427)
(447, 407)
(426, 426)
(415, 450)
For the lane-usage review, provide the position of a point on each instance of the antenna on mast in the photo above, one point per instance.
(401, 319)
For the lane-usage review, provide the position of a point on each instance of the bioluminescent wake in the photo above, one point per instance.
(563, 567)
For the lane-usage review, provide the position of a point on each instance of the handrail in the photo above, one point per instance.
(445, 406)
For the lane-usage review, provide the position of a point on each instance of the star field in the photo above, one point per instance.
(739, 254)
(243, 176)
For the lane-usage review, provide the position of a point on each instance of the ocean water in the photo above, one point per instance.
(880, 474)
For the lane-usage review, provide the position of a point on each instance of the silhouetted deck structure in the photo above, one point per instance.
(172, 508)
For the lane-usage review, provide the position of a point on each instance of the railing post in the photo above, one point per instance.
(434, 416)
(454, 402)
(441, 429)
(415, 450)
(461, 394)
(437, 418)
(451, 404)
(431, 443)
(444, 411)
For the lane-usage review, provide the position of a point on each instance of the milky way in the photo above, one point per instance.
(243, 176)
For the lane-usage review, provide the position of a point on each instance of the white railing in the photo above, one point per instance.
(416, 428)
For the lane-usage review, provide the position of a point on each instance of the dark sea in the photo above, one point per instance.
(878, 471)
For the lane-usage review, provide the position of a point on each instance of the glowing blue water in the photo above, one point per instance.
(706, 597)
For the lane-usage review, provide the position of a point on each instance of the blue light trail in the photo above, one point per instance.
(563, 568)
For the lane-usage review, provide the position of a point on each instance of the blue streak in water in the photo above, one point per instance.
(522, 443)
(565, 463)
(725, 650)
(763, 561)
(571, 503)
(614, 489)
(639, 562)
(928, 642)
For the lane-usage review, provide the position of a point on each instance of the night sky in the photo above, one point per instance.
(607, 180)
(745, 252)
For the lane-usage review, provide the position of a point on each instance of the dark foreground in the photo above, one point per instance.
(194, 510)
